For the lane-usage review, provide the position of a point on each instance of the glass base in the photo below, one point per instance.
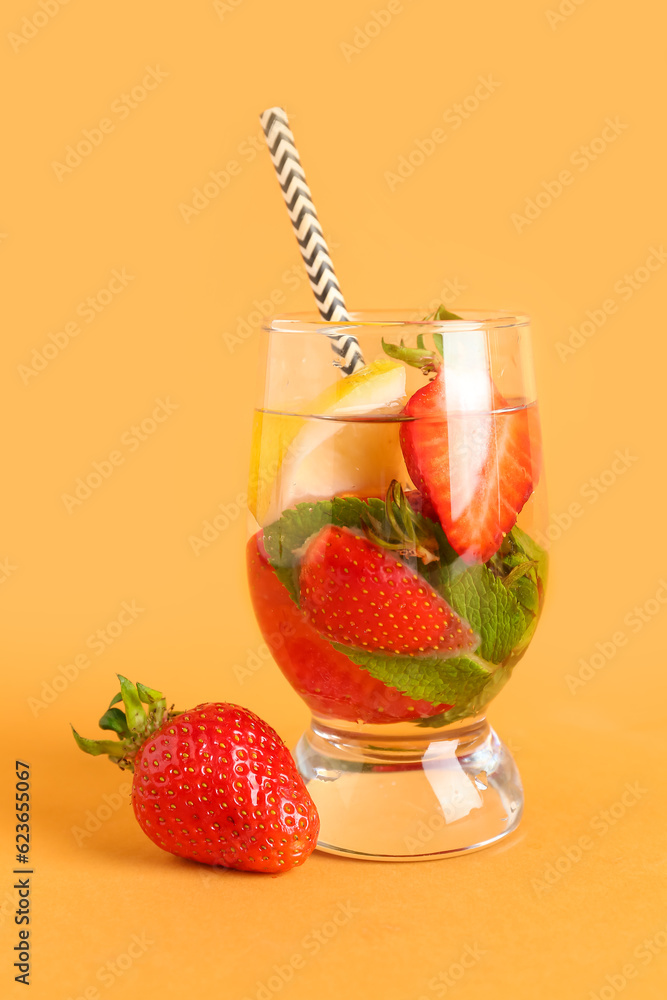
(406, 793)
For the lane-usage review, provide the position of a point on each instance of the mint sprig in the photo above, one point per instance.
(390, 523)
(500, 599)
(522, 566)
(436, 679)
(463, 709)
(492, 609)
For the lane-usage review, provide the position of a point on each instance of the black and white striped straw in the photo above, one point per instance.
(310, 238)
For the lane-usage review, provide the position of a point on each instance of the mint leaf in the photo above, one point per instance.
(463, 710)
(523, 564)
(479, 596)
(289, 578)
(436, 679)
(291, 530)
(296, 525)
(501, 599)
(529, 547)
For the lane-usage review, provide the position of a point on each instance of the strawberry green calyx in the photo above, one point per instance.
(400, 529)
(440, 314)
(420, 356)
(132, 726)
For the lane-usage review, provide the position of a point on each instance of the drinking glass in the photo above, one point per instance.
(394, 567)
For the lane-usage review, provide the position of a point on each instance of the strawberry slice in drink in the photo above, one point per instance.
(328, 681)
(473, 457)
(357, 594)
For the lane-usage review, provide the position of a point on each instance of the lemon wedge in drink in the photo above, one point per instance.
(331, 449)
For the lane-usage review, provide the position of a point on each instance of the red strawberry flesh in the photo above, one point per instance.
(328, 681)
(475, 469)
(358, 594)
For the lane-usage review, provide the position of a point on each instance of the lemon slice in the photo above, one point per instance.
(319, 454)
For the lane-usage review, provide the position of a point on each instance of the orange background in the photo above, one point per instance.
(355, 112)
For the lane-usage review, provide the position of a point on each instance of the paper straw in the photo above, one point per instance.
(310, 238)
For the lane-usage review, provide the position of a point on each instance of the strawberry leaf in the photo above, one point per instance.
(116, 720)
(417, 357)
(149, 696)
(132, 726)
(113, 748)
(134, 711)
(436, 679)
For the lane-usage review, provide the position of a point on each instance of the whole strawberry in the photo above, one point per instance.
(214, 784)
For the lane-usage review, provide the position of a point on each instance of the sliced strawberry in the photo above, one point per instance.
(328, 681)
(358, 594)
(476, 469)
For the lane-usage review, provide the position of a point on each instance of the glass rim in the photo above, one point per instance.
(480, 319)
